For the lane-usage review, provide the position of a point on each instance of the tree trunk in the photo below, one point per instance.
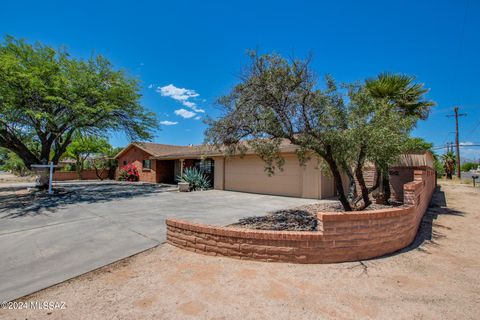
(43, 179)
(78, 168)
(97, 173)
(361, 182)
(339, 184)
(449, 172)
(60, 147)
(352, 189)
(15, 145)
(372, 188)
(387, 192)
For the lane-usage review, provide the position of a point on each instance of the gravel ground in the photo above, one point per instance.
(437, 277)
(302, 218)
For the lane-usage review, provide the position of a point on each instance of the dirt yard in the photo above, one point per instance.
(6, 177)
(437, 277)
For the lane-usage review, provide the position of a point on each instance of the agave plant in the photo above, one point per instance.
(196, 179)
(449, 159)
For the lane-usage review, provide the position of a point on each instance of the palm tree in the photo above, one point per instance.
(407, 97)
(449, 159)
(402, 93)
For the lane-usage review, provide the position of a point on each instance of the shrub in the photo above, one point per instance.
(128, 172)
(13, 164)
(196, 179)
(469, 166)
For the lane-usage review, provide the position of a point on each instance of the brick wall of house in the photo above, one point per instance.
(341, 236)
(136, 156)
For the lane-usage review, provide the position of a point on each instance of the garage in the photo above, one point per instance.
(247, 175)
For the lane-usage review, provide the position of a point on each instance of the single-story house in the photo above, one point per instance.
(162, 163)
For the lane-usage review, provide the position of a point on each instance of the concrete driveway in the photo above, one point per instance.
(47, 240)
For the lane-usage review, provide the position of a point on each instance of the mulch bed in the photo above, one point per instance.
(303, 218)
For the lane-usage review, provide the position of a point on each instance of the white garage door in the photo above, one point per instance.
(247, 175)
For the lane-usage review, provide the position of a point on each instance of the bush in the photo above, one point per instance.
(439, 167)
(196, 179)
(128, 172)
(469, 166)
(13, 164)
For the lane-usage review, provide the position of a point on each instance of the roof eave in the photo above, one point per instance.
(131, 145)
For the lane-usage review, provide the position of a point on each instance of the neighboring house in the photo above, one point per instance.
(161, 163)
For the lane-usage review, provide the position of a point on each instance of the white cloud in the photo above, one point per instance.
(168, 123)
(185, 113)
(198, 118)
(150, 86)
(189, 104)
(466, 143)
(193, 106)
(180, 94)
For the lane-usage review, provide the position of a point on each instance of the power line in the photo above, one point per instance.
(457, 142)
(475, 144)
(475, 127)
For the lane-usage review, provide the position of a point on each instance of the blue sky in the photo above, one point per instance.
(195, 50)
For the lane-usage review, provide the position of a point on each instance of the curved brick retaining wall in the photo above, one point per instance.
(340, 236)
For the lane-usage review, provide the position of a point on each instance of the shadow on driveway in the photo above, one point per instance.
(15, 202)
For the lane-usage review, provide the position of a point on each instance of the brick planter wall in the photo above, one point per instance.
(340, 237)
(72, 175)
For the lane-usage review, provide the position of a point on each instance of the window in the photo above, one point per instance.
(205, 165)
(147, 164)
(125, 162)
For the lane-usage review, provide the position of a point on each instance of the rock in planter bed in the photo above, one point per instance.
(303, 218)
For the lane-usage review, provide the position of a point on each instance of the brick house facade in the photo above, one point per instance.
(160, 163)
(151, 169)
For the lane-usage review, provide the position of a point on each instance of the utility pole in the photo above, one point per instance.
(457, 142)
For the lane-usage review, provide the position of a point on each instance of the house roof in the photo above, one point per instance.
(154, 149)
(197, 151)
(167, 151)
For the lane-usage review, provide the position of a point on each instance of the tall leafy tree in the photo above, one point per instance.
(279, 99)
(402, 93)
(84, 147)
(375, 134)
(406, 97)
(449, 160)
(47, 96)
(107, 162)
